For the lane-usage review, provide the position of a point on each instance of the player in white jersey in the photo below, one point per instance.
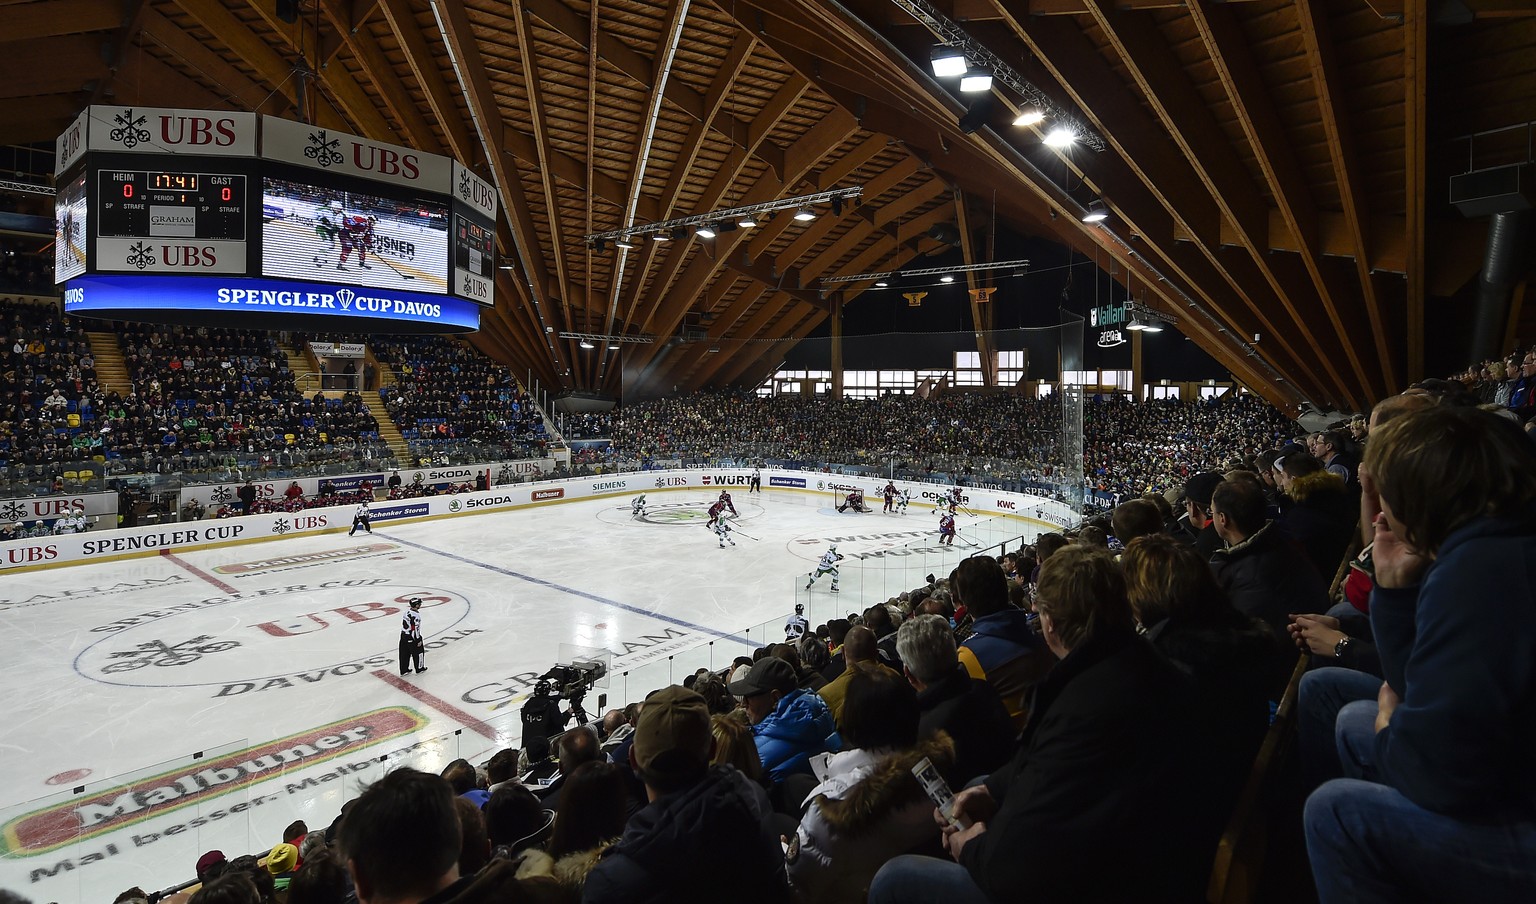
(637, 507)
(903, 500)
(412, 646)
(827, 565)
(722, 530)
(360, 519)
(798, 624)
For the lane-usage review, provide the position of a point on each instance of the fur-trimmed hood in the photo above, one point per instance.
(569, 872)
(887, 786)
(1316, 483)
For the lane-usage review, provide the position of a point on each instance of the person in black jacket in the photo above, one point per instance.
(1264, 573)
(1319, 511)
(1094, 804)
(701, 837)
(950, 700)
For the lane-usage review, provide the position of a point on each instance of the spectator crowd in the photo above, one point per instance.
(1095, 702)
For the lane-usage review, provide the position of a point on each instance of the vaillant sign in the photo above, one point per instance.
(134, 297)
(1107, 320)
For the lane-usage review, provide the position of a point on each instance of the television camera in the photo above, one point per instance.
(541, 714)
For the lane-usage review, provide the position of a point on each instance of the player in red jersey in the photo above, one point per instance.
(890, 497)
(725, 500)
(946, 529)
(356, 234)
(714, 514)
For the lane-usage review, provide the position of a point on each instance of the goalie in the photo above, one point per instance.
(854, 501)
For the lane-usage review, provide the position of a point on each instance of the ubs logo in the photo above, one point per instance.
(671, 482)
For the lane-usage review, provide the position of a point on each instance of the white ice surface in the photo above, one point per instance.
(509, 594)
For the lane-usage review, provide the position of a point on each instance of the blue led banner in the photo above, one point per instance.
(261, 303)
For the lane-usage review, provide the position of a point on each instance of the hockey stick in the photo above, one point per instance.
(398, 271)
(739, 533)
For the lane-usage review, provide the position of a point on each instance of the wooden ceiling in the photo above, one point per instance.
(1273, 167)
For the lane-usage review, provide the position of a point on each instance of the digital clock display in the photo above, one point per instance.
(174, 181)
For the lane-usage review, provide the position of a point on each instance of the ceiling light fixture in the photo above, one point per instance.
(1029, 117)
(587, 343)
(661, 237)
(747, 221)
(705, 232)
(1060, 137)
(881, 284)
(975, 81)
(1097, 212)
(626, 245)
(805, 214)
(745, 216)
(946, 278)
(613, 346)
(948, 61)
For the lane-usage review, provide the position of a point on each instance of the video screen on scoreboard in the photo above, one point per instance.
(334, 234)
(69, 221)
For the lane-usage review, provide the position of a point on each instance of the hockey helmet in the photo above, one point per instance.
(799, 608)
(415, 602)
(832, 548)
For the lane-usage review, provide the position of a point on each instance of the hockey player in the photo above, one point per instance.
(360, 519)
(356, 234)
(637, 507)
(798, 624)
(725, 500)
(412, 647)
(952, 497)
(903, 501)
(890, 497)
(827, 565)
(946, 529)
(714, 513)
(723, 532)
(756, 486)
(325, 230)
(854, 501)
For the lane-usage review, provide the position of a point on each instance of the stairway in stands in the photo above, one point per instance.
(299, 364)
(387, 429)
(111, 372)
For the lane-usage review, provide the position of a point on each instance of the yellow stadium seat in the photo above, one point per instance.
(288, 437)
(73, 420)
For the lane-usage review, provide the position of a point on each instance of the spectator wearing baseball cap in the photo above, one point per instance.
(789, 723)
(1199, 527)
(701, 835)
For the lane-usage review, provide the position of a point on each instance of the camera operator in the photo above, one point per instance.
(542, 716)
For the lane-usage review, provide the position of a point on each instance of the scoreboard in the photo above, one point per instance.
(203, 214)
(266, 209)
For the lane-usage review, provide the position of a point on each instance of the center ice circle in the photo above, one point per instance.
(266, 633)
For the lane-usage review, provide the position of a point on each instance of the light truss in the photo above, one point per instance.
(929, 271)
(730, 215)
(27, 188)
(950, 32)
(609, 338)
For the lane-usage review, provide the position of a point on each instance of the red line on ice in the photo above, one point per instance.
(437, 703)
(198, 572)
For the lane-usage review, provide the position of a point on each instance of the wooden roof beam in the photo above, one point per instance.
(1317, 40)
(1193, 127)
(1255, 110)
(552, 243)
(759, 342)
(276, 71)
(481, 98)
(349, 32)
(353, 100)
(981, 313)
(424, 66)
(238, 88)
(796, 325)
(720, 88)
(31, 21)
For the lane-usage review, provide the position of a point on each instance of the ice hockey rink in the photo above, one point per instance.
(145, 693)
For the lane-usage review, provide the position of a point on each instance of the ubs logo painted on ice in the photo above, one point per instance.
(292, 630)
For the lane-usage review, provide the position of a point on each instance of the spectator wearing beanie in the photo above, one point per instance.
(1003, 650)
(951, 701)
(701, 836)
(790, 723)
(282, 860)
(868, 806)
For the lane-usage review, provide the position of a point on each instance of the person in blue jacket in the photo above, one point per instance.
(1439, 802)
(789, 723)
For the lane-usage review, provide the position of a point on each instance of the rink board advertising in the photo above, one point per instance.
(149, 192)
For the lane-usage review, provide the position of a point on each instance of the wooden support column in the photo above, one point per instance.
(837, 345)
(1415, 83)
(1138, 384)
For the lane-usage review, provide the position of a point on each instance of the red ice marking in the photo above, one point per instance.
(437, 703)
(601, 627)
(198, 572)
(65, 778)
